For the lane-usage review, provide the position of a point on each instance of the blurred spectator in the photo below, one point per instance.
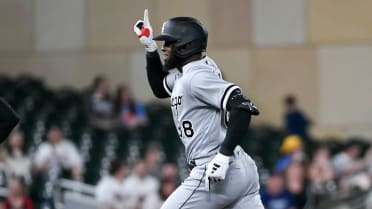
(8, 119)
(295, 179)
(295, 120)
(346, 162)
(153, 161)
(110, 192)
(131, 113)
(140, 184)
(58, 153)
(368, 201)
(100, 107)
(368, 159)
(320, 171)
(292, 151)
(17, 160)
(3, 168)
(170, 173)
(350, 169)
(2, 203)
(17, 197)
(155, 200)
(274, 196)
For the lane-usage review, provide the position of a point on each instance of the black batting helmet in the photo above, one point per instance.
(189, 36)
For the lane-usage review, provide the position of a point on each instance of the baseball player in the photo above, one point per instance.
(211, 115)
(8, 119)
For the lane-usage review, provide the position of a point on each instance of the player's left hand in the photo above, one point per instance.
(216, 170)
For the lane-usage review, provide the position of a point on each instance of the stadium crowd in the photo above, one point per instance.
(306, 173)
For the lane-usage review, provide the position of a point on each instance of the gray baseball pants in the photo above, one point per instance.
(240, 189)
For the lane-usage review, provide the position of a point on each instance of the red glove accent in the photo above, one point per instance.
(144, 32)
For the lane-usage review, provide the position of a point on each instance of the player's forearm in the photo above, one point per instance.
(155, 74)
(8, 119)
(236, 130)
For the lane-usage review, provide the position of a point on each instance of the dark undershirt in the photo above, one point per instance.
(155, 74)
(237, 127)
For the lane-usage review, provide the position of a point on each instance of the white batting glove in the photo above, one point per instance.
(144, 33)
(216, 170)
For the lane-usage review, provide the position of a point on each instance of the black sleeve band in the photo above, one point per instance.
(8, 119)
(155, 74)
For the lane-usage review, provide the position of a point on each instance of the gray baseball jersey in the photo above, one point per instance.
(198, 101)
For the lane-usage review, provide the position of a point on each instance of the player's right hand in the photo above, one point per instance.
(216, 170)
(144, 33)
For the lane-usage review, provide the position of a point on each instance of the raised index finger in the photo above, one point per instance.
(146, 21)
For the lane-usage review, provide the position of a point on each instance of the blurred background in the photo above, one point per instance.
(92, 135)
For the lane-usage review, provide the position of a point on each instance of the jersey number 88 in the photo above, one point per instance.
(186, 129)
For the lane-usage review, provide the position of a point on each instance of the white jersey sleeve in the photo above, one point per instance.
(170, 80)
(208, 86)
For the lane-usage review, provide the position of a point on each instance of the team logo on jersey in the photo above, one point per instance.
(176, 102)
(162, 28)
